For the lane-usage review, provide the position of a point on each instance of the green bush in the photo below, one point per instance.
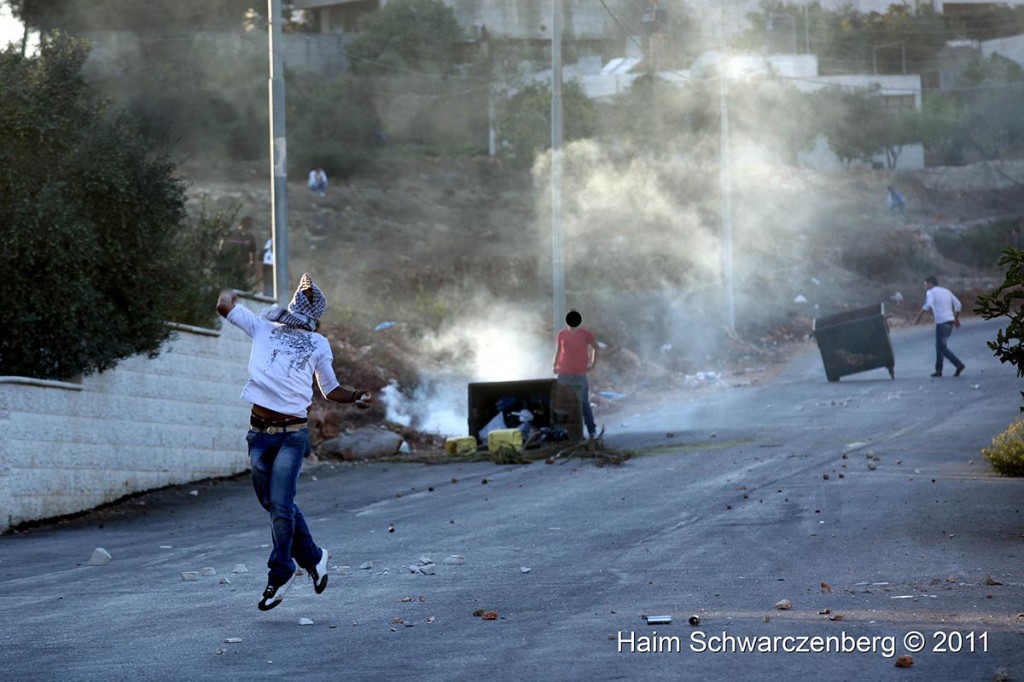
(92, 216)
(1007, 451)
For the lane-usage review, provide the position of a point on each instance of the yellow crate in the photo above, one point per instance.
(505, 437)
(460, 445)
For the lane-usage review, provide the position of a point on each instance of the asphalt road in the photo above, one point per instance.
(725, 518)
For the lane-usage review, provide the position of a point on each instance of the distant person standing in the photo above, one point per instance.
(575, 355)
(946, 309)
(895, 200)
(287, 354)
(268, 267)
(318, 181)
(238, 250)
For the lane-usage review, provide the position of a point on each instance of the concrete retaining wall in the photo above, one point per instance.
(71, 446)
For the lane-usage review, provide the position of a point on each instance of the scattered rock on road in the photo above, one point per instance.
(100, 557)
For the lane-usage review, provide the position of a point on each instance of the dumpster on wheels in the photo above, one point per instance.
(854, 341)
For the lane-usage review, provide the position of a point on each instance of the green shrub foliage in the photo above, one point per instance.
(1005, 301)
(1007, 451)
(92, 218)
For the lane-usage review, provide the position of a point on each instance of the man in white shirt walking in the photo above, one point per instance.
(946, 309)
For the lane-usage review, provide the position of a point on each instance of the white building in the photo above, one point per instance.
(800, 70)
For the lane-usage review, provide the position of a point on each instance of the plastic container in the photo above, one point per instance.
(460, 445)
(505, 438)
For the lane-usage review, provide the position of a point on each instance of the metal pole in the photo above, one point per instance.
(725, 178)
(726, 183)
(278, 157)
(557, 257)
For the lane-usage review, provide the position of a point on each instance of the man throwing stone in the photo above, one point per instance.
(287, 353)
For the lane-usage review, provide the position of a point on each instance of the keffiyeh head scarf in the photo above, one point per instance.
(302, 312)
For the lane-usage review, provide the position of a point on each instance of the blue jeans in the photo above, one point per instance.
(581, 387)
(276, 460)
(942, 332)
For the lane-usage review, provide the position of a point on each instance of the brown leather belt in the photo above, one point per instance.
(287, 428)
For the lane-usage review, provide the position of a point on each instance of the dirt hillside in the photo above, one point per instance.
(412, 251)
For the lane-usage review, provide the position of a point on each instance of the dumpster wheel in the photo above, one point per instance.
(892, 371)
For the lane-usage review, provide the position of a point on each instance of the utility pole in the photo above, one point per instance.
(652, 22)
(557, 257)
(725, 178)
(278, 156)
(807, 29)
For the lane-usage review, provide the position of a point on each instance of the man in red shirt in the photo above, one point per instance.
(575, 355)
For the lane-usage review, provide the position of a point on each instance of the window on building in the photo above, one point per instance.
(899, 102)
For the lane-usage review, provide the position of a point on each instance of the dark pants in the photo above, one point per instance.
(581, 387)
(942, 332)
(268, 280)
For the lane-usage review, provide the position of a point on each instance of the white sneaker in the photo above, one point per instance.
(272, 596)
(319, 572)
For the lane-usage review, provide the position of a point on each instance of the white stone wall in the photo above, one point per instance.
(148, 423)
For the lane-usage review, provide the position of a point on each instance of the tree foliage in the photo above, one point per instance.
(131, 15)
(991, 92)
(775, 115)
(92, 214)
(525, 119)
(1005, 301)
(653, 115)
(420, 35)
(851, 124)
(900, 40)
(941, 119)
(858, 125)
(332, 125)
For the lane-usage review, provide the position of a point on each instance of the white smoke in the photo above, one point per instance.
(495, 342)
(434, 407)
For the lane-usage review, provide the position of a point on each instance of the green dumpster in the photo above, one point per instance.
(854, 341)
